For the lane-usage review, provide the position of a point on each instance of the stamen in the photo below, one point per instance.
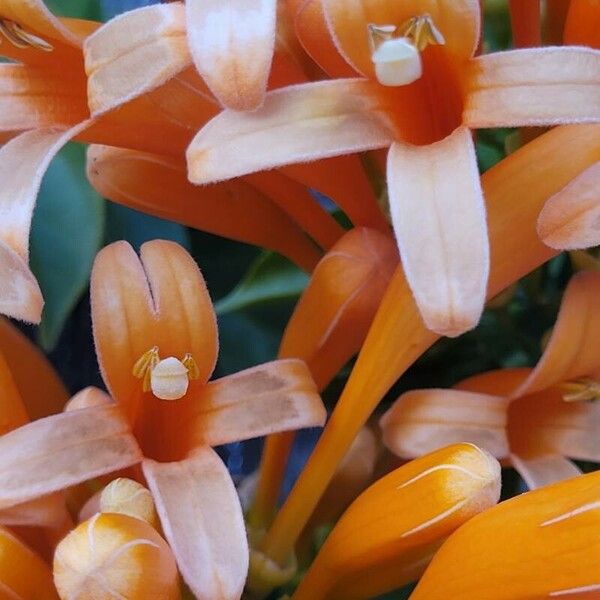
(144, 366)
(584, 389)
(190, 364)
(20, 38)
(395, 51)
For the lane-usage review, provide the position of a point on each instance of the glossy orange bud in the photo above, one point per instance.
(115, 556)
(389, 534)
(542, 544)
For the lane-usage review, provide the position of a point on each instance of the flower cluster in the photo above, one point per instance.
(236, 117)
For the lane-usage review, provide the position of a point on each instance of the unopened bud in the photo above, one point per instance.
(129, 497)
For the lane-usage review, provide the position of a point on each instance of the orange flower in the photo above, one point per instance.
(542, 544)
(398, 336)
(534, 417)
(156, 337)
(421, 93)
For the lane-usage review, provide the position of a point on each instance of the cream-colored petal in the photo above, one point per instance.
(438, 214)
(539, 471)
(135, 53)
(202, 519)
(534, 86)
(571, 218)
(232, 43)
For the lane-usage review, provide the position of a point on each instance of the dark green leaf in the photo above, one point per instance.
(79, 9)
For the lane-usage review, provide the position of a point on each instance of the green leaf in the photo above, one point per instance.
(270, 278)
(78, 9)
(66, 233)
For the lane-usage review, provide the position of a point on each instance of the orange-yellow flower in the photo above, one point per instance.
(156, 337)
(534, 417)
(421, 93)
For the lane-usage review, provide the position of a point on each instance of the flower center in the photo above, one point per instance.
(584, 389)
(20, 38)
(396, 51)
(167, 379)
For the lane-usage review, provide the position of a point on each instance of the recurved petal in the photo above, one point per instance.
(439, 220)
(134, 53)
(554, 546)
(534, 86)
(158, 185)
(296, 124)
(571, 218)
(348, 20)
(389, 533)
(23, 162)
(541, 469)
(202, 519)
(273, 397)
(572, 350)
(424, 420)
(334, 313)
(159, 299)
(56, 452)
(232, 43)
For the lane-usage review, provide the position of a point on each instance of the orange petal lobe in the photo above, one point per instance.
(438, 214)
(552, 534)
(296, 124)
(539, 86)
(232, 43)
(571, 218)
(135, 53)
(202, 519)
(525, 18)
(582, 26)
(273, 397)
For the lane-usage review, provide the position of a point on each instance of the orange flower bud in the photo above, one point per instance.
(23, 574)
(115, 555)
(542, 544)
(389, 534)
(128, 497)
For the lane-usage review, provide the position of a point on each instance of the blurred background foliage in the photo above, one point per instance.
(255, 291)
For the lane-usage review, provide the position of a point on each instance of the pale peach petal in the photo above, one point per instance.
(296, 124)
(438, 214)
(135, 53)
(202, 519)
(273, 397)
(47, 511)
(572, 350)
(424, 420)
(88, 397)
(571, 218)
(536, 86)
(232, 43)
(62, 450)
(539, 471)
(23, 162)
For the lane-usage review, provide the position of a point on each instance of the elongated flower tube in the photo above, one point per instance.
(533, 417)
(327, 328)
(390, 532)
(420, 92)
(533, 173)
(114, 555)
(554, 552)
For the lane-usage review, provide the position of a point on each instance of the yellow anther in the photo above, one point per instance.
(395, 51)
(584, 389)
(20, 38)
(190, 364)
(144, 366)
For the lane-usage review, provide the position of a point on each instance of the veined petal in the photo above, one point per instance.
(570, 219)
(158, 185)
(273, 397)
(134, 53)
(540, 470)
(202, 519)
(232, 43)
(438, 214)
(62, 450)
(296, 124)
(424, 420)
(159, 299)
(348, 20)
(23, 162)
(572, 350)
(554, 546)
(334, 313)
(582, 26)
(535, 86)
